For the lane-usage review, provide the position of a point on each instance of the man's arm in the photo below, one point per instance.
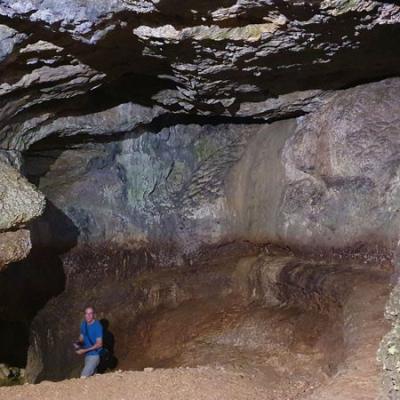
(97, 345)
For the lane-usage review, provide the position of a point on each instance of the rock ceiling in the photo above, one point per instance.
(102, 67)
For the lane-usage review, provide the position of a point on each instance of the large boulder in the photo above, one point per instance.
(14, 246)
(20, 202)
(342, 169)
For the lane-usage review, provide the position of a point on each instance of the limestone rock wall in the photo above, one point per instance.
(20, 202)
(308, 182)
(342, 168)
(152, 126)
(237, 59)
(323, 183)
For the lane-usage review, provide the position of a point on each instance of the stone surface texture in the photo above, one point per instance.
(342, 165)
(20, 202)
(163, 199)
(307, 182)
(14, 246)
(160, 131)
(264, 60)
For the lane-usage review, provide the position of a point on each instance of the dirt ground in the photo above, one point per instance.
(203, 350)
(181, 383)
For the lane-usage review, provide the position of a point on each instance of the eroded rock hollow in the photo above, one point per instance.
(220, 179)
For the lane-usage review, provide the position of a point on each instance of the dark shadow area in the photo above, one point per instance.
(26, 286)
(108, 361)
(16, 335)
(42, 154)
(37, 164)
(54, 232)
(170, 119)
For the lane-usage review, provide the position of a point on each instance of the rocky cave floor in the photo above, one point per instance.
(318, 343)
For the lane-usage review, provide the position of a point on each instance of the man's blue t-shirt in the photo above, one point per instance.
(90, 333)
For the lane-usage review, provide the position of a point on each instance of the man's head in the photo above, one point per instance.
(89, 314)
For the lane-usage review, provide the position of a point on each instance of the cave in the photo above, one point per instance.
(219, 180)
